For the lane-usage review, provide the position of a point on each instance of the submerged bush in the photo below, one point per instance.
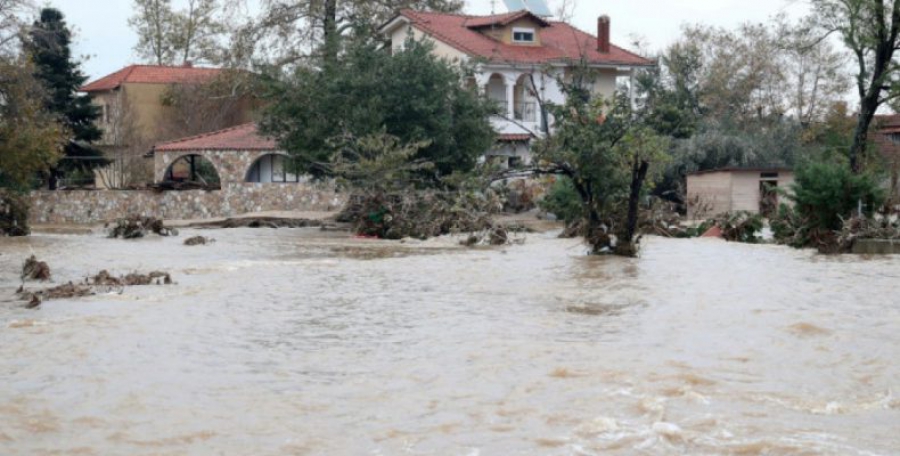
(563, 201)
(13, 214)
(824, 195)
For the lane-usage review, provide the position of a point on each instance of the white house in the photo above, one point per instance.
(519, 57)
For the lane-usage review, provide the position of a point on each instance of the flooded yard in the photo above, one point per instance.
(296, 342)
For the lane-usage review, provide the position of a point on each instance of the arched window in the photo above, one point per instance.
(272, 169)
(195, 169)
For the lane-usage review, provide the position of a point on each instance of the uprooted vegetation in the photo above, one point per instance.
(35, 270)
(793, 229)
(261, 222)
(423, 214)
(102, 282)
(136, 227)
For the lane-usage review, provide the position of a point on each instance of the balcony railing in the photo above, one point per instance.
(526, 111)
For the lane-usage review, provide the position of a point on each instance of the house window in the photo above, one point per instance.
(895, 138)
(523, 35)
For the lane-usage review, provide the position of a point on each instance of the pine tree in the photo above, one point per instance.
(48, 45)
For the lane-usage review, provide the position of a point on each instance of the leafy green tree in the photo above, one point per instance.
(826, 193)
(30, 137)
(411, 95)
(606, 148)
(48, 46)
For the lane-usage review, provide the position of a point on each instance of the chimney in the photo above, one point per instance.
(603, 26)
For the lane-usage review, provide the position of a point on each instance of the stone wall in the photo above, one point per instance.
(88, 207)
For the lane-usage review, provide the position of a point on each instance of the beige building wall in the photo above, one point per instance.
(441, 49)
(745, 191)
(715, 193)
(505, 34)
(708, 194)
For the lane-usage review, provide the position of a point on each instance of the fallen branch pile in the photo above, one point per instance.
(136, 226)
(35, 270)
(103, 281)
(198, 240)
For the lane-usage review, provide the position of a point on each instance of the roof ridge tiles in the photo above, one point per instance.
(206, 135)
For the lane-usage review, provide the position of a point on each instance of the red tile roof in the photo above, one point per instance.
(239, 138)
(512, 137)
(151, 74)
(560, 42)
(503, 19)
(887, 123)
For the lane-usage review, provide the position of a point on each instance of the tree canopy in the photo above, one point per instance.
(411, 95)
(48, 46)
(870, 29)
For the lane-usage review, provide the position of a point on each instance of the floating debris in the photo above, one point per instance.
(66, 291)
(103, 281)
(198, 240)
(35, 270)
(136, 227)
(261, 222)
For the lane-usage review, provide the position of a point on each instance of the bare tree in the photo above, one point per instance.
(195, 33)
(566, 10)
(153, 22)
(871, 31)
(288, 33)
(126, 146)
(226, 101)
(11, 23)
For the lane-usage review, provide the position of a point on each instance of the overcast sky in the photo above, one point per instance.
(104, 38)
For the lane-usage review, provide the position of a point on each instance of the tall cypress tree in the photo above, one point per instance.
(48, 46)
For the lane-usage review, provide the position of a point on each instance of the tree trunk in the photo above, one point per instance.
(638, 176)
(861, 135)
(332, 40)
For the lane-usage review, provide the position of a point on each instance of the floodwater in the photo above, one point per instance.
(294, 342)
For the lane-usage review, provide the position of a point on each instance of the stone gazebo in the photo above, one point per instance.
(232, 152)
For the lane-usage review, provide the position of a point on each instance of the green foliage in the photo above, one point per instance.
(48, 46)
(609, 151)
(13, 214)
(563, 201)
(740, 226)
(411, 95)
(30, 137)
(825, 193)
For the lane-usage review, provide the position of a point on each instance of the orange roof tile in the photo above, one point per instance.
(560, 42)
(151, 74)
(241, 137)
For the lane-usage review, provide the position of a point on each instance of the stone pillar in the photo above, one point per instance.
(510, 96)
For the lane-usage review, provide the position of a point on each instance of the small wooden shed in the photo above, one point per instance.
(714, 192)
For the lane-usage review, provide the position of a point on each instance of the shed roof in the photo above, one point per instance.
(738, 169)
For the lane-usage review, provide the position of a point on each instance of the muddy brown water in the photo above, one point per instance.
(282, 342)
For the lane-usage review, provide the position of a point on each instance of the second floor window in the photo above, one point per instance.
(523, 35)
